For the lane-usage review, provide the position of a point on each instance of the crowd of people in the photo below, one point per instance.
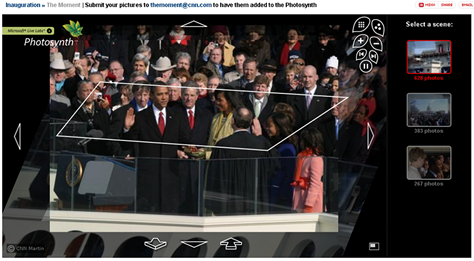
(422, 119)
(251, 93)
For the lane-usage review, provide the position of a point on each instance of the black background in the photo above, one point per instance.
(408, 221)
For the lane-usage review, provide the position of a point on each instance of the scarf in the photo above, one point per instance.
(179, 38)
(298, 181)
(59, 85)
(144, 38)
(286, 51)
(371, 104)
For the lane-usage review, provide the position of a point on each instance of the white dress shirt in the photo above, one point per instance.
(157, 114)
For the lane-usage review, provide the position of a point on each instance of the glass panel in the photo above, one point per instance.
(168, 186)
(354, 184)
(85, 182)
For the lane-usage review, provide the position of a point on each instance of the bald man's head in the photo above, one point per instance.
(309, 77)
(242, 118)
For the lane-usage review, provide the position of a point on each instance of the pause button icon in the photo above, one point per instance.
(365, 66)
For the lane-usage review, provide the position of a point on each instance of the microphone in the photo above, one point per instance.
(92, 133)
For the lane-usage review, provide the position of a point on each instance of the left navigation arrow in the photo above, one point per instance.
(17, 136)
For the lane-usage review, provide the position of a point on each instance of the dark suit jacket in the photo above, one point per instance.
(265, 111)
(101, 122)
(243, 139)
(116, 99)
(317, 107)
(350, 137)
(56, 108)
(430, 175)
(117, 123)
(231, 184)
(207, 104)
(146, 129)
(70, 86)
(328, 131)
(202, 125)
(239, 84)
(115, 48)
(157, 166)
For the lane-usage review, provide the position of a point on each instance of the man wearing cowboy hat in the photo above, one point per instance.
(57, 70)
(163, 66)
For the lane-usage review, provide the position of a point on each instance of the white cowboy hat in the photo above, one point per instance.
(163, 64)
(55, 56)
(57, 64)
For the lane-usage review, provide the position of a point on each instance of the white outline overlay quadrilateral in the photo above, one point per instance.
(203, 146)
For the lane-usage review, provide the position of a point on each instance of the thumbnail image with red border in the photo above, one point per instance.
(429, 56)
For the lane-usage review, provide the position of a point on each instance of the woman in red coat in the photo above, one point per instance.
(308, 193)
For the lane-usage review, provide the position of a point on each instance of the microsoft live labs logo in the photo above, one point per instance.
(74, 28)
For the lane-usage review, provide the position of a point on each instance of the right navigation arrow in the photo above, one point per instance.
(370, 135)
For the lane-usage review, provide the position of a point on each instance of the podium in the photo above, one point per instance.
(86, 182)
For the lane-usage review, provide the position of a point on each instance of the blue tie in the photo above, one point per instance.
(337, 128)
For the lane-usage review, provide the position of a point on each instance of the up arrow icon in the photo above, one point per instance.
(231, 243)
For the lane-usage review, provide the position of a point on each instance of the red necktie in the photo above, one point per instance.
(191, 119)
(161, 124)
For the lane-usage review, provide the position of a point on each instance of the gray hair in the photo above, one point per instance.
(135, 74)
(173, 81)
(83, 82)
(180, 55)
(192, 85)
(143, 48)
(141, 57)
(98, 74)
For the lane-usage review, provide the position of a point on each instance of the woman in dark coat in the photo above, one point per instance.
(255, 43)
(143, 35)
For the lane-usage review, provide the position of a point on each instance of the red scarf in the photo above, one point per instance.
(184, 41)
(286, 51)
(298, 181)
